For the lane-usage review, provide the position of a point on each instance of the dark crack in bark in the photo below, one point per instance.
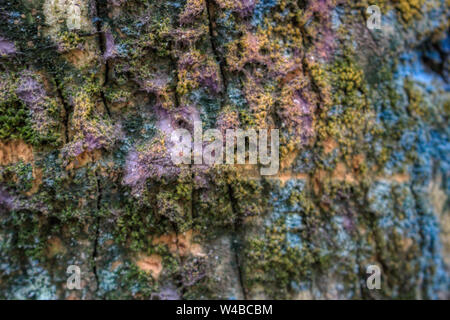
(423, 285)
(179, 277)
(97, 232)
(102, 46)
(219, 59)
(173, 62)
(67, 109)
(237, 241)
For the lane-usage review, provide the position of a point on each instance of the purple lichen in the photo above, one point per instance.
(191, 11)
(297, 116)
(325, 41)
(31, 91)
(6, 201)
(7, 48)
(110, 47)
(153, 162)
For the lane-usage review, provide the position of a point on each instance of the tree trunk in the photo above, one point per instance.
(92, 91)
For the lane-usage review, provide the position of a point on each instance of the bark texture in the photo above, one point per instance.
(90, 91)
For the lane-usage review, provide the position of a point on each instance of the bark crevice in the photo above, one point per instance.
(97, 232)
(237, 241)
(219, 58)
(67, 109)
(102, 46)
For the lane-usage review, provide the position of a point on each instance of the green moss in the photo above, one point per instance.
(18, 175)
(15, 120)
(136, 225)
(69, 40)
(273, 264)
(134, 284)
(27, 233)
(118, 96)
(416, 106)
(24, 22)
(409, 10)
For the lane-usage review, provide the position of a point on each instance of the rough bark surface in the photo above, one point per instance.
(90, 91)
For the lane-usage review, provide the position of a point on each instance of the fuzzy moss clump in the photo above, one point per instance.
(409, 9)
(30, 241)
(19, 175)
(69, 40)
(27, 112)
(278, 257)
(15, 122)
(133, 227)
(346, 117)
(273, 263)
